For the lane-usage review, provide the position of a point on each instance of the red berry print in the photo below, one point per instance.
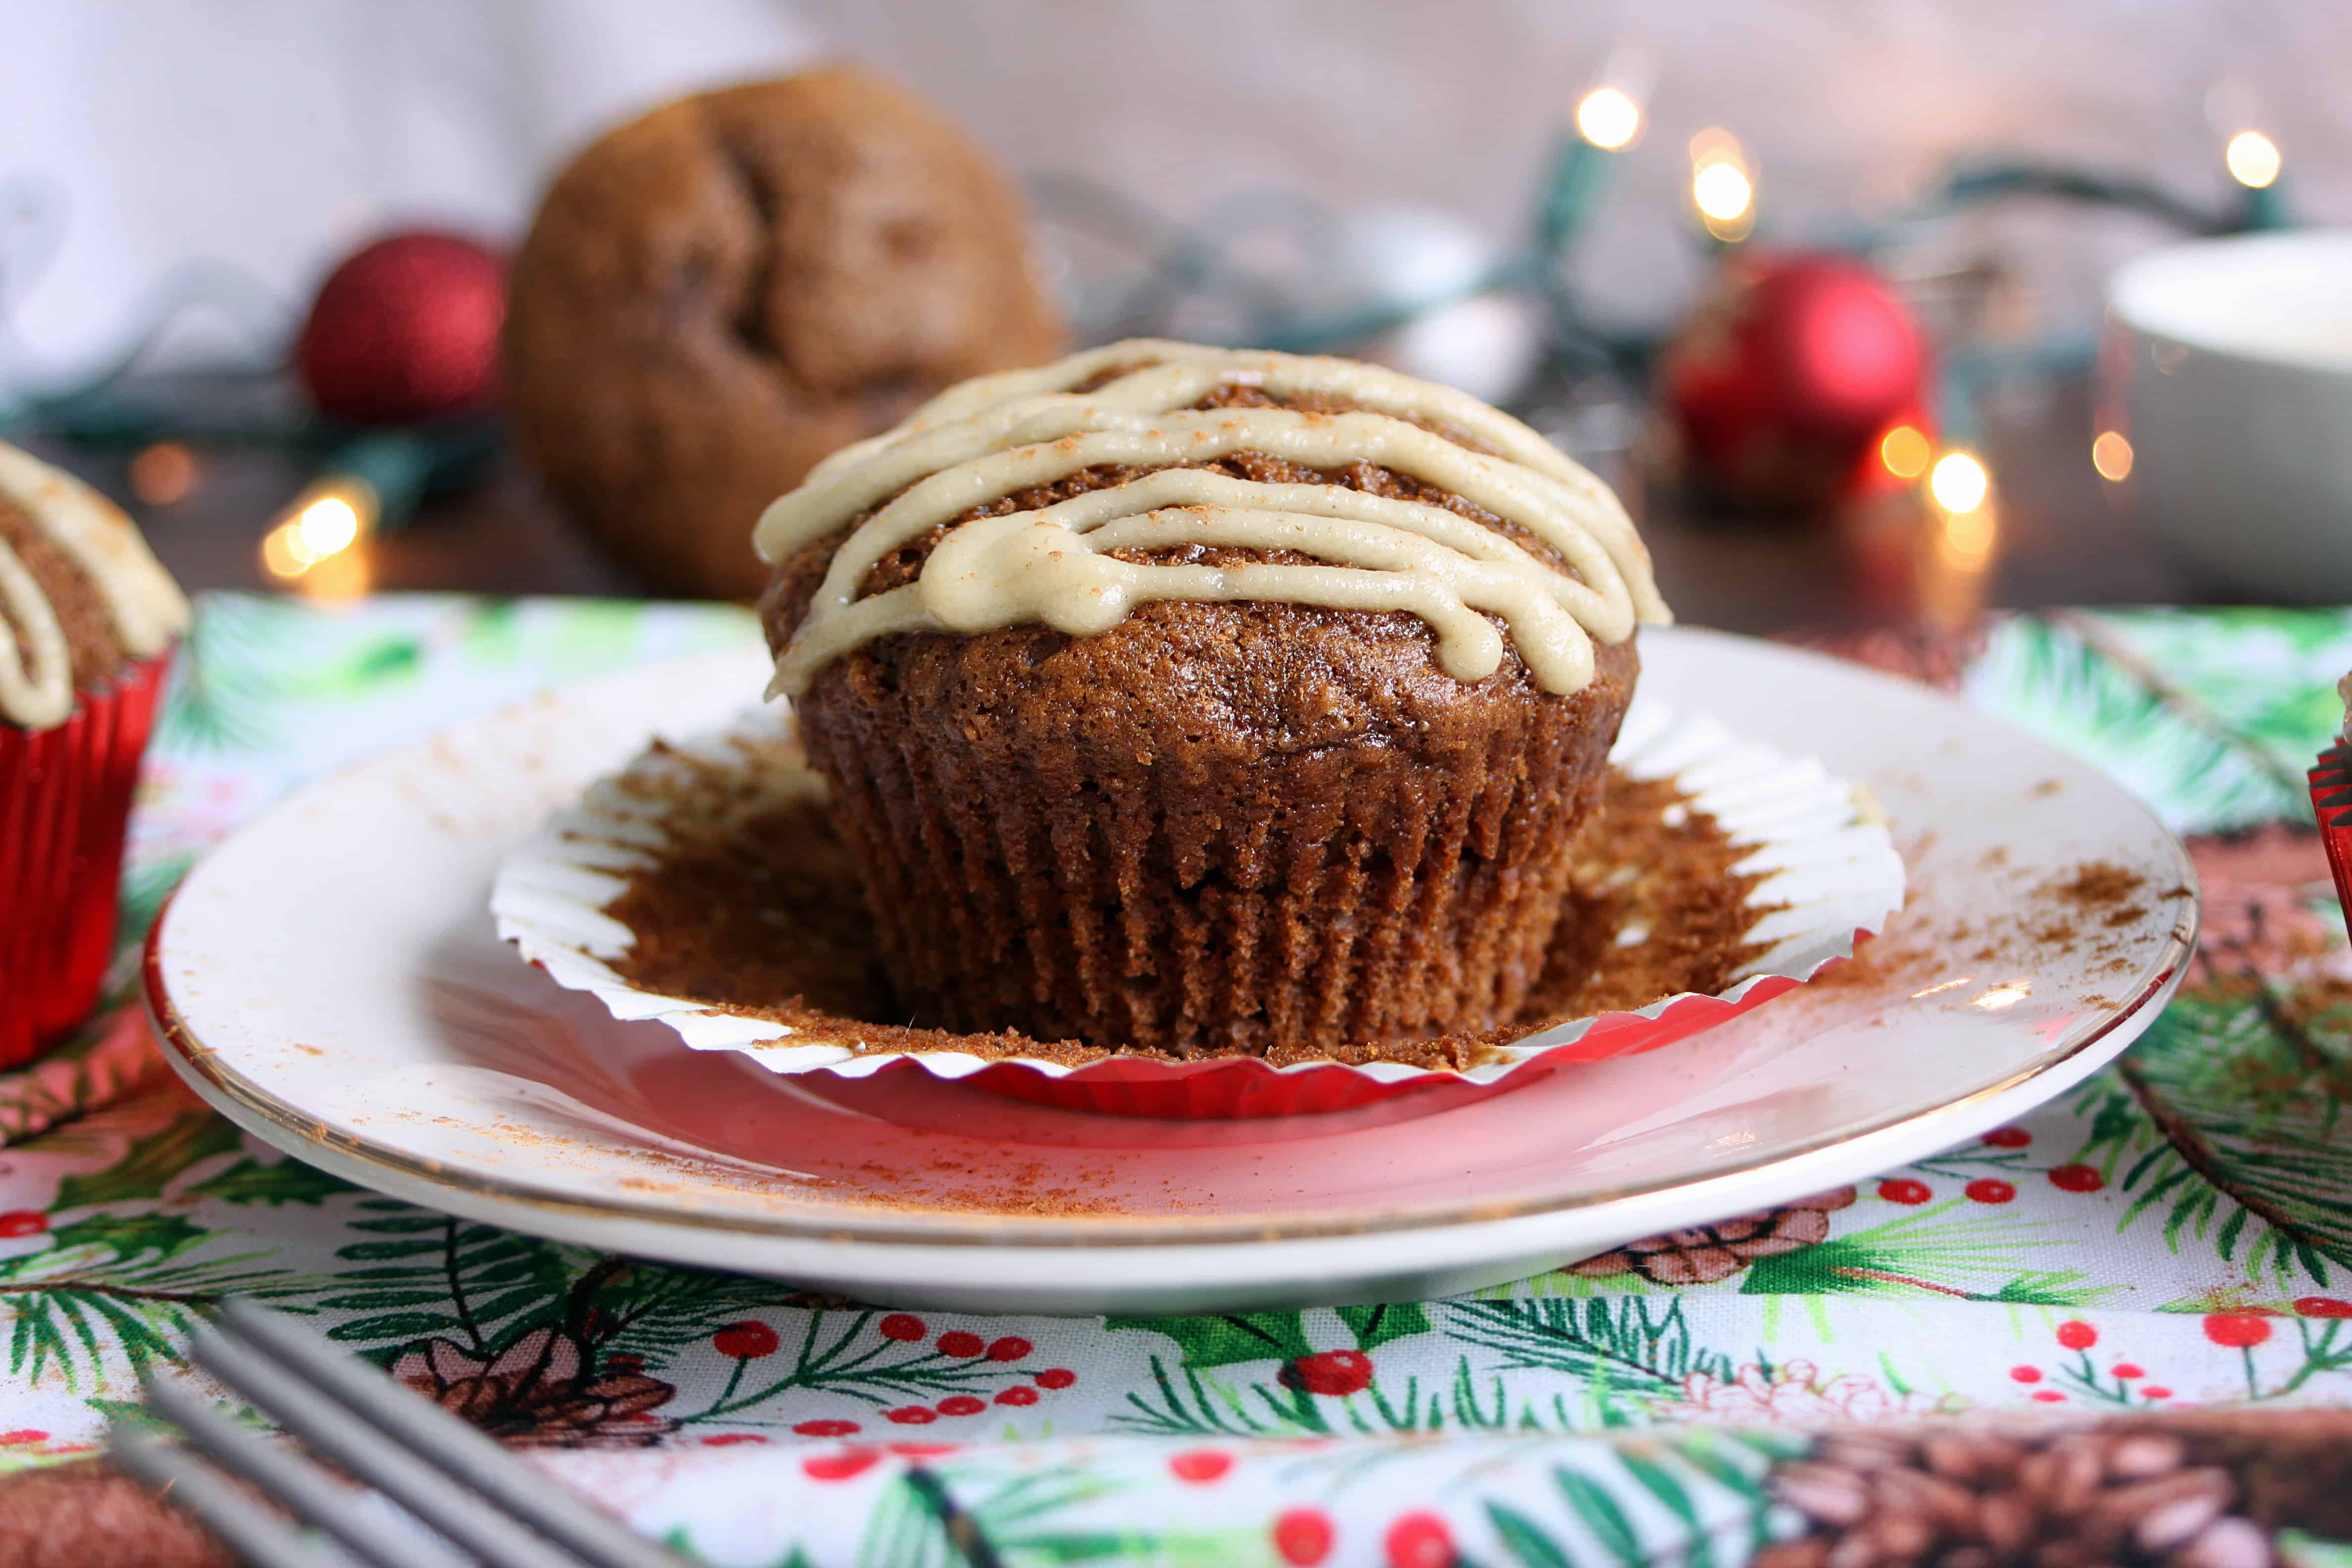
(23, 1434)
(1335, 1373)
(2025, 1375)
(2125, 1371)
(961, 1404)
(745, 1341)
(913, 1415)
(2323, 1307)
(1017, 1396)
(840, 1466)
(922, 1450)
(1903, 1190)
(1419, 1540)
(1989, 1190)
(730, 1440)
(959, 1343)
(625, 1362)
(22, 1222)
(904, 1326)
(2076, 1179)
(825, 1429)
(2078, 1335)
(2154, 1391)
(2049, 1396)
(1011, 1347)
(1057, 1377)
(2237, 1331)
(1201, 1466)
(2009, 1137)
(1303, 1537)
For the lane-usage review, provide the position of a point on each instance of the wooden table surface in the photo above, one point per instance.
(2064, 537)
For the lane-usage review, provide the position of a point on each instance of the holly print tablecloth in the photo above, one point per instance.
(2177, 1233)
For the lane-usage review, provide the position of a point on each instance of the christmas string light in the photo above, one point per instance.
(1905, 451)
(1723, 186)
(2111, 455)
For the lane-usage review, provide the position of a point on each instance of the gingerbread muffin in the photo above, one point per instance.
(1208, 703)
(87, 617)
(720, 293)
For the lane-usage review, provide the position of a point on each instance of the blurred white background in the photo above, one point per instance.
(271, 135)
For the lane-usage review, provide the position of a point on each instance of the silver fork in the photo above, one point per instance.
(450, 1477)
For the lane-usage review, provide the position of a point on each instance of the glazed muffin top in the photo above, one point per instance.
(81, 593)
(1147, 470)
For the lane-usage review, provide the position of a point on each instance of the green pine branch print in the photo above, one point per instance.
(2260, 1164)
(424, 1276)
(2075, 682)
(1628, 1344)
(226, 685)
(1926, 1252)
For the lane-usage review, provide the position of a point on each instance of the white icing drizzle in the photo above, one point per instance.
(993, 436)
(144, 606)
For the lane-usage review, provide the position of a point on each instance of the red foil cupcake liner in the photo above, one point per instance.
(1238, 1089)
(2331, 801)
(65, 802)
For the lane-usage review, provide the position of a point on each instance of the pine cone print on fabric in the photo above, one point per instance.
(540, 1392)
(2134, 1493)
(1705, 1254)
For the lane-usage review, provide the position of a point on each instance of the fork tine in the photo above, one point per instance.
(259, 1538)
(442, 1439)
(277, 1469)
(497, 1539)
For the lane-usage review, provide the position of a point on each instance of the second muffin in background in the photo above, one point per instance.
(1209, 703)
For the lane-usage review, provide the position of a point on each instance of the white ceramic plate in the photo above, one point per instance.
(329, 978)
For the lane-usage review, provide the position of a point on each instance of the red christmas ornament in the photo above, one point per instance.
(406, 329)
(1788, 377)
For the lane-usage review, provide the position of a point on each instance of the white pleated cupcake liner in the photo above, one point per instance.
(1831, 874)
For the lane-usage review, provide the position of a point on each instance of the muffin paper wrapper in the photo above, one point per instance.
(65, 799)
(1830, 876)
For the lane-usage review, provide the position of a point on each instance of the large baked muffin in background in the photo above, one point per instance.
(1209, 703)
(87, 620)
(718, 294)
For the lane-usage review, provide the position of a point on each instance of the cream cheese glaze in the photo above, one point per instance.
(993, 436)
(143, 604)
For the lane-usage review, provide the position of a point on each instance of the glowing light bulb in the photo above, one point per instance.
(1958, 482)
(1722, 191)
(327, 525)
(1904, 451)
(2253, 159)
(282, 555)
(322, 526)
(1723, 188)
(1608, 118)
(2111, 455)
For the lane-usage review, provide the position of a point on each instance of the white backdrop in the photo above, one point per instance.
(270, 133)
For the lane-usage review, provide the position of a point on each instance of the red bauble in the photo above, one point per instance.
(406, 329)
(1786, 379)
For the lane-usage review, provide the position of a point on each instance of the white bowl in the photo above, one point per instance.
(2232, 362)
